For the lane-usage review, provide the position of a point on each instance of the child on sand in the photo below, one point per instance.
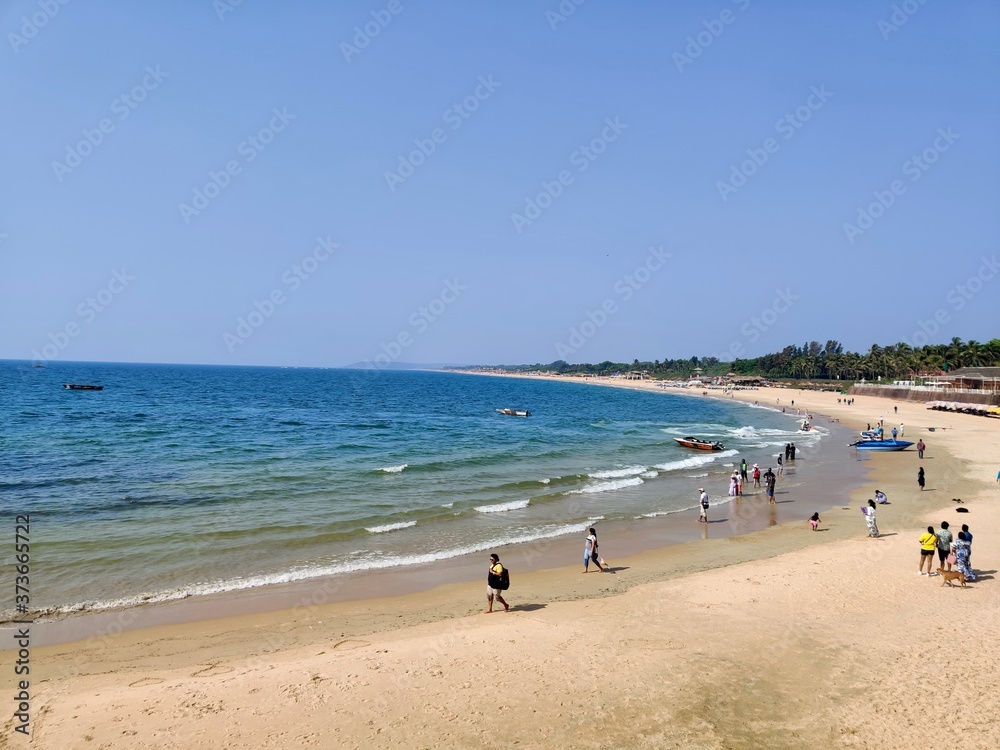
(814, 521)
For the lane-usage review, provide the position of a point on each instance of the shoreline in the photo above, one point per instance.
(636, 536)
(800, 603)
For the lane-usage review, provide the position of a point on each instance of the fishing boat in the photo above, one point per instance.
(79, 387)
(514, 412)
(882, 445)
(699, 444)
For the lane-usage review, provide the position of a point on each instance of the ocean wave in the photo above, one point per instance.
(608, 486)
(650, 474)
(658, 513)
(503, 507)
(746, 432)
(390, 527)
(693, 461)
(697, 476)
(617, 473)
(360, 562)
(393, 469)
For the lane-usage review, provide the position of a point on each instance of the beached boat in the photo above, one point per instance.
(78, 387)
(882, 445)
(514, 412)
(699, 444)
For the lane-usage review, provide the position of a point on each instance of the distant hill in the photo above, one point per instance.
(402, 366)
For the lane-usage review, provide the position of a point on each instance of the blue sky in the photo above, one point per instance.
(317, 183)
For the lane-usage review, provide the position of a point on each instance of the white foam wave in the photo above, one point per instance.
(390, 527)
(746, 432)
(697, 476)
(393, 469)
(503, 507)
(448, 505)
(545, 481)
(693, 461)
(608, 486)
(650, 474)
(616, 473)
(364, 560)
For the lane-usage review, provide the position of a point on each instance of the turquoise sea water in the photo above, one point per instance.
(185, 480)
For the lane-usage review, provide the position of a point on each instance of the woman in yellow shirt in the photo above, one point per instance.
(928, 542)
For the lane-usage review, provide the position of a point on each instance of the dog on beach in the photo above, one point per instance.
(950, 575)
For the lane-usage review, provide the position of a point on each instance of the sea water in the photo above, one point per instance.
(186, 480)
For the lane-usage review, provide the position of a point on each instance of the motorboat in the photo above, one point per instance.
(699, 444)
(882, 445)
(79, 387)
(514, 412)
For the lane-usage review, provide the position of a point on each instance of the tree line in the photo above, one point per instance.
(812, 360)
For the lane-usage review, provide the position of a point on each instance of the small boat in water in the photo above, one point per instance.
(882, 445)
(699, 444)
(78, 387)
(514, 412)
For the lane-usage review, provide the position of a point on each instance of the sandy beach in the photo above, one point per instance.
(782, 638)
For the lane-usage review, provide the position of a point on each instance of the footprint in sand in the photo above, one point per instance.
(347, 645)
(212, 670)
(146, 681)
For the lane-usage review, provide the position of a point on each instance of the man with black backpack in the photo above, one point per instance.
(497, 581)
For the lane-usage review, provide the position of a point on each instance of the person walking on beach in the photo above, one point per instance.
(901, 429)
(869, 511)
(703, 502)
(769, 487)
(895, 410)
(781, 466)
(814, 521)
(962, 547)
(944, 540)
(590, 552)
(928, 543)
(493, 590)
(920, 478)
(920, 453)
(895, 432)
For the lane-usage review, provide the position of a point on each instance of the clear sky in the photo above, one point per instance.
(494, 182)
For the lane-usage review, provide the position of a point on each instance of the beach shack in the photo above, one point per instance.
(984, 380)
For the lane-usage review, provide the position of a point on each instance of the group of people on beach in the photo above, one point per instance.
(742, 475)
(951, 550)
